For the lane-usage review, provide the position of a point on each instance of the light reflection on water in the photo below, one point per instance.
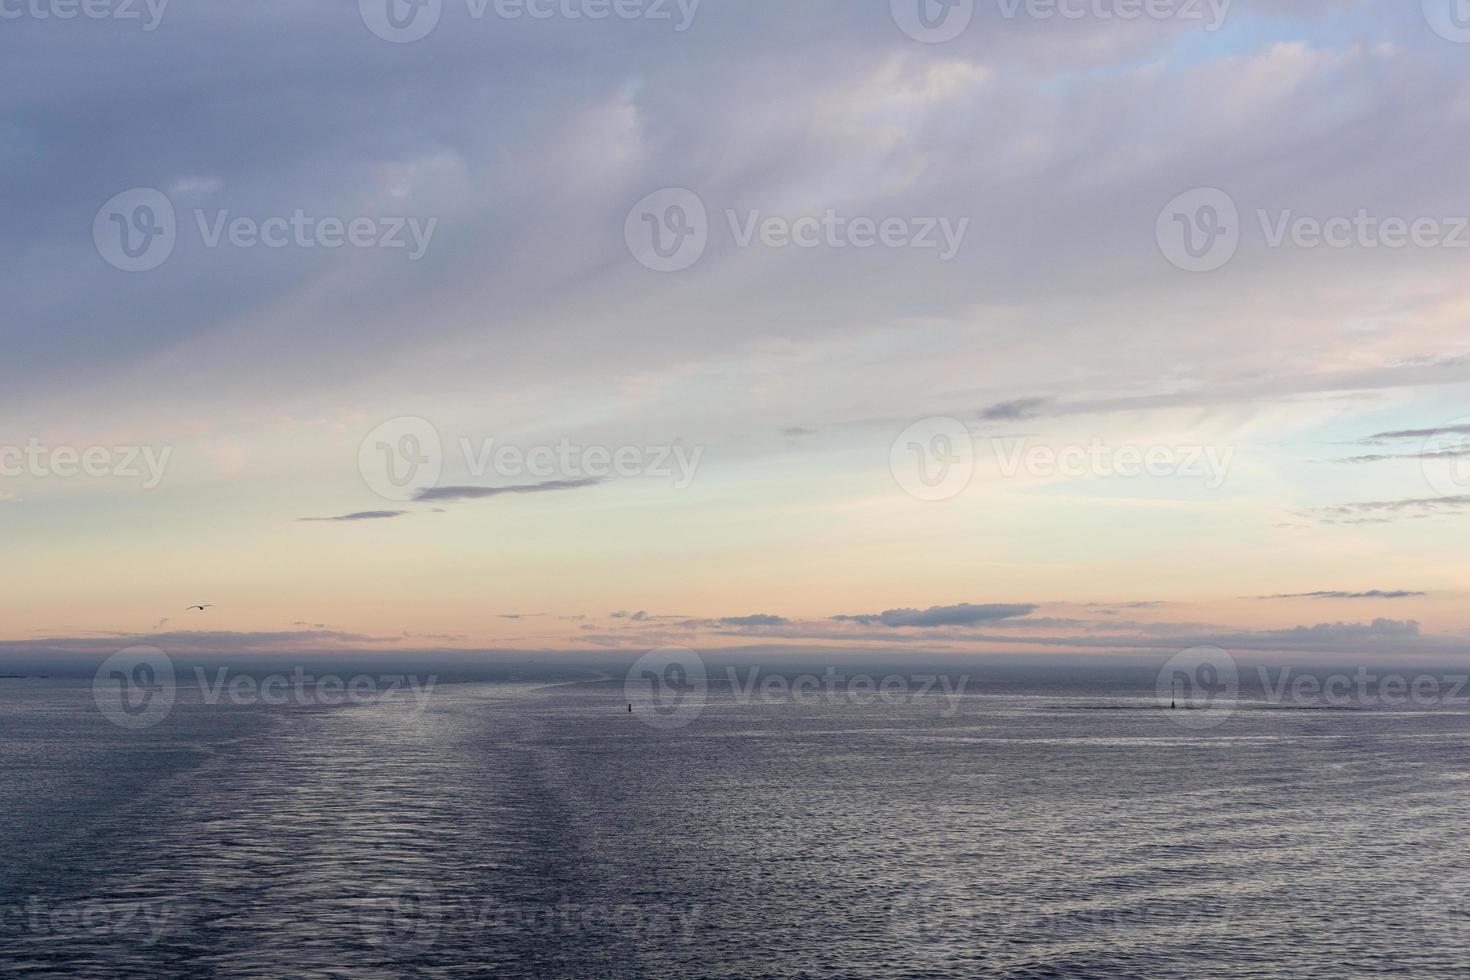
(527, 831)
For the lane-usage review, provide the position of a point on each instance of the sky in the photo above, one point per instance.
(576, 325)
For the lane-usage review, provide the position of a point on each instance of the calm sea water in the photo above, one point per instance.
(526, 830)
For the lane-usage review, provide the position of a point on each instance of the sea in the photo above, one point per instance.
(1014, 826)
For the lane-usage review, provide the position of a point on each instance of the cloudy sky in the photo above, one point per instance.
(577, 324)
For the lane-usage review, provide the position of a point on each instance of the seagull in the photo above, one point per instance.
(207, 605)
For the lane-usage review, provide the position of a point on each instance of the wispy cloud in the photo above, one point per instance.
(1444, 430)
(637, 617)
(1382, 511)
(964, 614)
(1427, 454)
(481, 493)
(1017, 410)
(364, 515)
(1370, 594)
(756, 620)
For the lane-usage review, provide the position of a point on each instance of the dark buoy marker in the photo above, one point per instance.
(630, 709)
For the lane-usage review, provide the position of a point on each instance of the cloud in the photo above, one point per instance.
(1383, 511)
(1339, 632)
(1427, 454)
(481, 493)
(796, 431)
(1370, 594)
(1014, 411)
(637, 617)
(756, 620)
(1445, 430)
(964, 614)
(365, 515)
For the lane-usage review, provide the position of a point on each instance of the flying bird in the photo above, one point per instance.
(207, 605)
